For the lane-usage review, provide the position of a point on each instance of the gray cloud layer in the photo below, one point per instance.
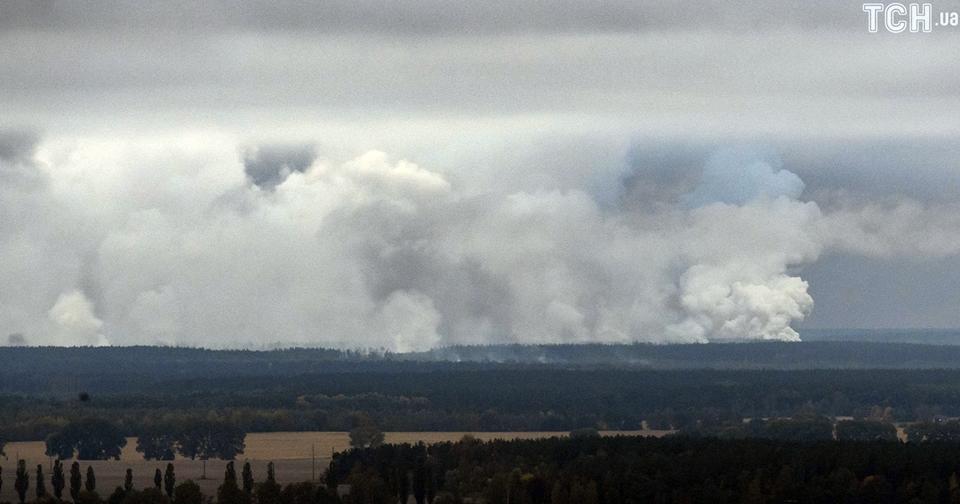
(429, 16)
(209, 172)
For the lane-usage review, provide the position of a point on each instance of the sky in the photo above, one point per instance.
(404, 175)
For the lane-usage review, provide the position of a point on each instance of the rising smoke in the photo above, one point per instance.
(195, 245)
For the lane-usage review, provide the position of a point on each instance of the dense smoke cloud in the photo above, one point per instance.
(120, 242)
(269, 165)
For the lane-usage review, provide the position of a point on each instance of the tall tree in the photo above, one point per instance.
(128, 480)
(90, 438)
(58, 445)
(169, 480)
(229, 492)
(157, 442)
(230, 474)
(403, 483)
(76, 481)
(91, 482)
(432, 482)
(420, 481)
(247, 478)
(365, 433)
(23, 480)
(41, 485)
(268, 492)
(57, 480)
(331, 476)
(206, 439)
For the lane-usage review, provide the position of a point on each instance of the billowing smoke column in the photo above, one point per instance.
(193, 246)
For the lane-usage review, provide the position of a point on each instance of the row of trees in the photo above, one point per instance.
(59, 481)
(100, 439)
(165, 490)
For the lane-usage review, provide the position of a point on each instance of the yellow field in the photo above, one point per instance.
(291, 453)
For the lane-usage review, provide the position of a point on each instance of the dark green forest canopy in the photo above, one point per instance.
(634, 469)
(555, 388)
(122, 369)
(501, 398)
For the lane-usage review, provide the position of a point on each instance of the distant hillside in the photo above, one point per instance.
(922, 336)
(29, 369)
(758, 355)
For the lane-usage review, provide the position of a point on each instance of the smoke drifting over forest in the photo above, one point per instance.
(228, 245)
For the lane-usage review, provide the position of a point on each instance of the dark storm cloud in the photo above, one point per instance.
(17, 168)
(427, 16)
(17, 146)
(269, 165)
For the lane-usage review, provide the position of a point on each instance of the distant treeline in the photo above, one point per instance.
(58, 370)
(502, 399)
(622, 470)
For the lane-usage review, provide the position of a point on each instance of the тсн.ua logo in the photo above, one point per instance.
(897, 17)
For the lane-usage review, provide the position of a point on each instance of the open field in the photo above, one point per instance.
(291, 453)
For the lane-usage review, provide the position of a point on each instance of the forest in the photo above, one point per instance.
(67, 370)
(591, 469)
(495, 397)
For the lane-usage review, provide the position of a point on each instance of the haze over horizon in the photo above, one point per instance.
(226, 174)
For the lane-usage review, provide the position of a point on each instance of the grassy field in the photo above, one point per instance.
(291, 453)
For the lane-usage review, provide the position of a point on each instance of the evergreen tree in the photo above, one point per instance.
(41, 486)
(23, 481)
(268, 492)
(420, 481)
(403, 483)
(247, 478)
(229, 492)
(331, 477)
(57, 480)
(431, 482)
(158, 479)
(128, 480)
(230, 475)
(76, 481)
(169, 480)
(91, 483)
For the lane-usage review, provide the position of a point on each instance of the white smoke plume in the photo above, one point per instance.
(186, 242)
